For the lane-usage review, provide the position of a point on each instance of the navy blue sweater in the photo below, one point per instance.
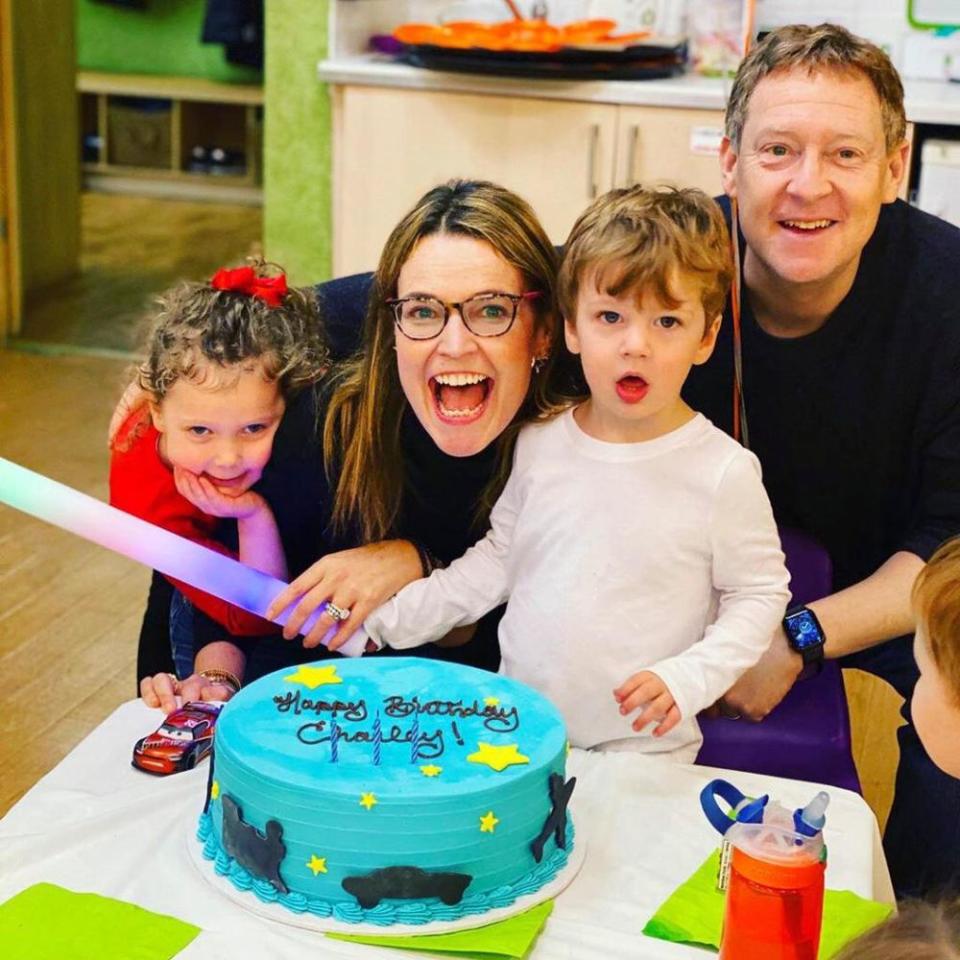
(857, 426)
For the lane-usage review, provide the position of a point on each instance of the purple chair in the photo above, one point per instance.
(807, 736)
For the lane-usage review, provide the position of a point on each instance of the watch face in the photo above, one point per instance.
(803, 629)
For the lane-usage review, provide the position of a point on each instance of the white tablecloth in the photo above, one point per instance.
(96, 824)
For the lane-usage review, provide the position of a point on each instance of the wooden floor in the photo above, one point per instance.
(132, 249)
(70, 611)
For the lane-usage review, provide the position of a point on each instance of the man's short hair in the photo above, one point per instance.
(936, 601)
(636, 237)
(824, 47)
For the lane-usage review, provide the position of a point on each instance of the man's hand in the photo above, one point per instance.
(763, 686)
(647, 690)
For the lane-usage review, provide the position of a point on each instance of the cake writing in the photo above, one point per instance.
(348, 710)
(335, 729)
(495, 717)
(425, 745)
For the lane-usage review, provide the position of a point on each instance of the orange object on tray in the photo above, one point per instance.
(514, 35)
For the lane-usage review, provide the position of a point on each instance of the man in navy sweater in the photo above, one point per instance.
(851, 381)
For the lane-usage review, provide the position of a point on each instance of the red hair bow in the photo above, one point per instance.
(271, 290)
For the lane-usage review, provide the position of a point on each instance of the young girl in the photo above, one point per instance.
(223, 359)
(634, 541)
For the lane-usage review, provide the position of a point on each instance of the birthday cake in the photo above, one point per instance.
(388, 791)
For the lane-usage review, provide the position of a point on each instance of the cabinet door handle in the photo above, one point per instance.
(592, 188)
(632, 145)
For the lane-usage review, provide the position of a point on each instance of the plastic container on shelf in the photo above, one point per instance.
(939, 191)
(715, 30)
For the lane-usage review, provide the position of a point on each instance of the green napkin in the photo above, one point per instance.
(47, 922)
(508, 938)
(693, 913)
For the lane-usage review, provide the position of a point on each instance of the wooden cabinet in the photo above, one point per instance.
(669, 144)
(143, 129)
(392, 144)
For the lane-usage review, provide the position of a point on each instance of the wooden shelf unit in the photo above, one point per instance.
(223, 114)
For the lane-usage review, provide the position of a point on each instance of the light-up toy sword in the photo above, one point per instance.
(149, 544)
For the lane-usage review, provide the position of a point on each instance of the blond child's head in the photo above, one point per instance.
(222, 359)
(920, 931)
(642, 284)
(935, 706)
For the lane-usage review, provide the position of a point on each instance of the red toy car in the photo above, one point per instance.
(183, 739)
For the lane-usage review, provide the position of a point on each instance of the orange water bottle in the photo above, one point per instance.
(774, 881)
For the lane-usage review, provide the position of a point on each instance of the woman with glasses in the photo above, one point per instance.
(392, 466)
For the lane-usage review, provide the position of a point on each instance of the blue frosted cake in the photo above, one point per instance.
(388, 791)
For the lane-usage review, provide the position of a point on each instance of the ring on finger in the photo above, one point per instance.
(728, 714)
(173, 680)
(334, 612)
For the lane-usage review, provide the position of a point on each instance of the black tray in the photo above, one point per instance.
(641, 62)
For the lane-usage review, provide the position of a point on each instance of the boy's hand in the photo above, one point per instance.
(647, 690)
(202, 493)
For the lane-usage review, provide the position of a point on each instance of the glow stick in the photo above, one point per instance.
(147, 543)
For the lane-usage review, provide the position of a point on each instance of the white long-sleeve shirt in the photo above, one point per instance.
(615, 558)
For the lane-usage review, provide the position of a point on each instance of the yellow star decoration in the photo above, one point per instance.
(367, 800)
(314, 677)
(497, 758)
(215, 790)
(430, 770)
(317, 864)
(491, 701)
(488, 822)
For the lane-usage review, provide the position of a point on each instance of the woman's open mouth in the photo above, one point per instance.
(460, 397)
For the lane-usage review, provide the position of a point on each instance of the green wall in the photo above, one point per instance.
(296, 216)
(162, 38)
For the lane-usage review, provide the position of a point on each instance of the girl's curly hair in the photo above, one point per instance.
(196, 326)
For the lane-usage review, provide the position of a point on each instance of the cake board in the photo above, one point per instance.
(274, 911)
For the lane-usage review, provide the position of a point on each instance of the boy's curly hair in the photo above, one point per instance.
(197, 326)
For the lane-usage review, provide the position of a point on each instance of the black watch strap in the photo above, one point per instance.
(806, 637)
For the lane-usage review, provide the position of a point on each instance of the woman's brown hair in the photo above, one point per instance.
(361, 433)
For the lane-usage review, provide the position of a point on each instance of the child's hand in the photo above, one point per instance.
(201, 492)
(647, 690)
(164, 690)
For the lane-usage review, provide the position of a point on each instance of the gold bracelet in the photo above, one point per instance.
(224, 677)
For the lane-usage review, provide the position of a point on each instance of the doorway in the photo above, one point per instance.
(157, 166)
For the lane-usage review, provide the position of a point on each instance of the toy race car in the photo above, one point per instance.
(183, 739)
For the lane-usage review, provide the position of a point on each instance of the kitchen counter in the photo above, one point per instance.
(926, 101)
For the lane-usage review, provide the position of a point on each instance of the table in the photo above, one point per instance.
(96, 824)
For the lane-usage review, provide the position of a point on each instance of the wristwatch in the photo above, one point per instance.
(806, 637)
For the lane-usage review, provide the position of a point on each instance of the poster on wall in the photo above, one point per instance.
(934, 13)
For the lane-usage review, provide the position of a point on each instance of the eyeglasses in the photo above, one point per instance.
(485, 315)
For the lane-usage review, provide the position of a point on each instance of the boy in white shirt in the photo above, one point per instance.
(634, 542)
